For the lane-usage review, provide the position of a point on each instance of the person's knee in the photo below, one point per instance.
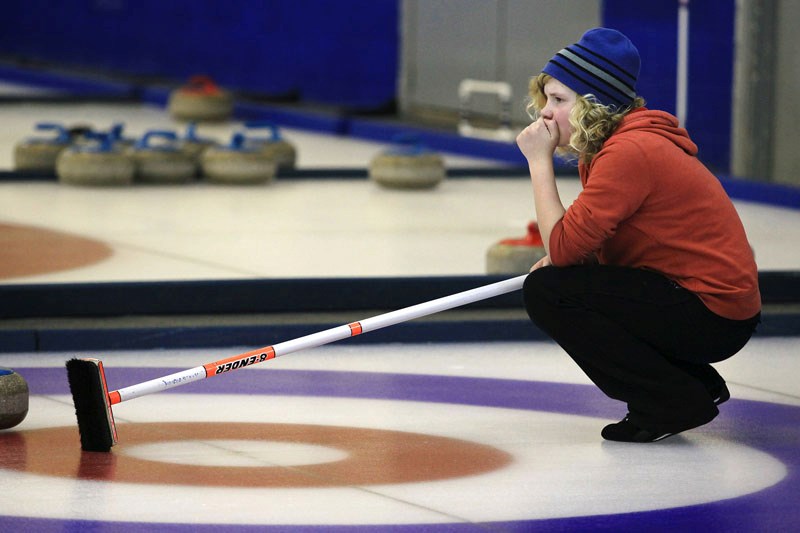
(537, 290)
(541, 279)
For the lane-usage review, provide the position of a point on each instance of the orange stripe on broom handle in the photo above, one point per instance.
(238, 361)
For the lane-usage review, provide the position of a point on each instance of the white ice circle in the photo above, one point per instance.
(560, 468)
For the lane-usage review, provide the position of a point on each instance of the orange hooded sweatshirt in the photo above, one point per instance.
(648, 202)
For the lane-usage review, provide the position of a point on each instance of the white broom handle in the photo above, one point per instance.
(317, 339)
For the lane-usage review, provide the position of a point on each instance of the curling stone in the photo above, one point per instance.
(239, 162)
(13, 398)
(516, 255)
(193, 145)
(408, 166)
(162, 161)
(79, 132)
(276, 147)
(39, 154)
(200, 100)
(96, 162)
(118, 137)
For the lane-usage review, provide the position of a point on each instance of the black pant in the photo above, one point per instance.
(640, 338)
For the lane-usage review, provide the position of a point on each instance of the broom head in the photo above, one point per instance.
(87, 382)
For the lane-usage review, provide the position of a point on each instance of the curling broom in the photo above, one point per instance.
(93, 401)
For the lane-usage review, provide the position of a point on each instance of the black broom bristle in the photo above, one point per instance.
(90, 396)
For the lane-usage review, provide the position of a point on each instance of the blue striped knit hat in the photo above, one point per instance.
(604, 63)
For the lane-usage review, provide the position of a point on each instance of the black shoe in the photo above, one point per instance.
(721, 394)
(627, 431)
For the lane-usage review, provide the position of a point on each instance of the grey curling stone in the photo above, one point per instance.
(119, 139)
(193, 145)
(239, 162)
(200, 100)
(163, 162)
(516, 255)
(39, 154)
(95, 162)
(410, 166)
(79, 132)
(13, 398)
(276, 147)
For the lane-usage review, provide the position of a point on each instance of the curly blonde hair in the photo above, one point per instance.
(592, 122)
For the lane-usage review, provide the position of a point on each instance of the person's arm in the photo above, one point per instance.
(543, 262)
(538, 143)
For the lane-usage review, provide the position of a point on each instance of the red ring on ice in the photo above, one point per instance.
(375, 456)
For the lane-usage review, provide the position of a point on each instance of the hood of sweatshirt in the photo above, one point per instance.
(658, 123)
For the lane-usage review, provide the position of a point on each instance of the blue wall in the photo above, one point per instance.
(326, 51)
(653, 27)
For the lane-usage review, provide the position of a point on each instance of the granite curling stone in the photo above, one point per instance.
(98, 161)
(516, 255)
(79, 132)
(14, 396)
(275, 146)
(39, 154)
(118, 137)
(193, 145)
(200, 100)
(408, 166)
(238, 162)
(159, 158)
